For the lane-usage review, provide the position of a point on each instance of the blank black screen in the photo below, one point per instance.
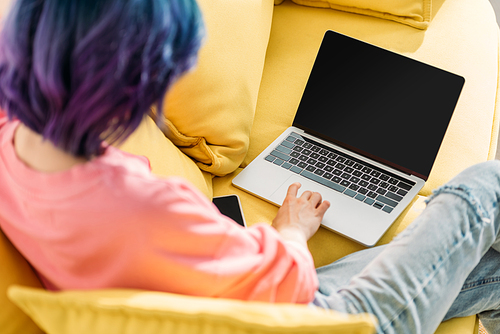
(378, 103)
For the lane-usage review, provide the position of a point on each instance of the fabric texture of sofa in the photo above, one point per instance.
(242, 95)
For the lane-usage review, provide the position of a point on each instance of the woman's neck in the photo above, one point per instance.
(42, 155)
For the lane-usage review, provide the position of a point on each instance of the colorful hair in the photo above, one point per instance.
(82, 71)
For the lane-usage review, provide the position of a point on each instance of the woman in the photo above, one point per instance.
(78, 75)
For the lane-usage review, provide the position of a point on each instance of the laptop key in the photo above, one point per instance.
(394, 189)
(293, 161)
(346, 176)
(306, 152)
(378, 205)
(384, 177)
(310, 168)
(404, 186)
(280, 155)
(332, 155)
(270, 158)
(291, 139)
(284, 149)
(322, 181)
(315, 148)
(349, 193)
(327, 176)
(287, 144)
(369, 201)
(319, 172)
(299, 142)
(295, 154)
(303, 157)
(387, 209)
(402, 192)
(337, 172)
(298, 148)
(366, 177)
(354, 179)
(296, 169)
(360, 197)
(278, 162)
(302, 165)
(354, 187)
(363, 191)
(394, 196)
(320, 165)
(311, 161)
(387, 201)
(286, 165)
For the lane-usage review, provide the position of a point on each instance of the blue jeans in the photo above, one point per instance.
(444, 265)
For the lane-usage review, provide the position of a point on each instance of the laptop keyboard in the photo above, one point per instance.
(341, 172)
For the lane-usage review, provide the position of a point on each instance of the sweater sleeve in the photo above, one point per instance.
(208, 254)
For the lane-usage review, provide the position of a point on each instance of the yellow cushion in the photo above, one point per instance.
(133, 311)
(165, 158)
(210, 110)
(15, 270)
(415, 13)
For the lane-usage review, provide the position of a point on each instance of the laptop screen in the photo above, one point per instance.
(377, 103)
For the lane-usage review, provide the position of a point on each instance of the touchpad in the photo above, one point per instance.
(279, 195)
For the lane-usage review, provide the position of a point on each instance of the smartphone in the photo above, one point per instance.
(230, 206)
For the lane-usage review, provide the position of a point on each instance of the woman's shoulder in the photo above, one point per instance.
(131, 175)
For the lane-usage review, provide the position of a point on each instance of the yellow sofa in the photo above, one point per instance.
(244, 92)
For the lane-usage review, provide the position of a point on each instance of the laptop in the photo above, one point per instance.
(365, 136)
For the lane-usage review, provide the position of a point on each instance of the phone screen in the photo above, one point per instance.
(230, 206)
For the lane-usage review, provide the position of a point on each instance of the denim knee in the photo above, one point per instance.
(479, 186)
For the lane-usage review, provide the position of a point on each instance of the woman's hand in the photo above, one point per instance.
(299, 217)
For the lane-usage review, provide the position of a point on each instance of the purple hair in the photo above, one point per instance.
(82, 71)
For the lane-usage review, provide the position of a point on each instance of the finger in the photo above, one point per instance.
(306, 195)
(293, 189)
(316, 199)
(321, 209)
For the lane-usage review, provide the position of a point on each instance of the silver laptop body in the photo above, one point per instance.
(365, 136)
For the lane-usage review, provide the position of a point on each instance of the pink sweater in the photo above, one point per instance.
(111, 223)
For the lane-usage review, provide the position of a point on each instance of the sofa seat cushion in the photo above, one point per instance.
(133, 311)
(210, 110)
(471, 136)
